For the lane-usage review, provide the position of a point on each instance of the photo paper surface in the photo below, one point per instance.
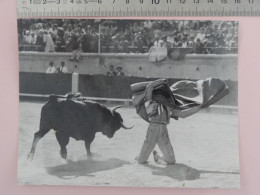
(139, 103)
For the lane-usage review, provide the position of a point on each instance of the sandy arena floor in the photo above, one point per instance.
(205, 145)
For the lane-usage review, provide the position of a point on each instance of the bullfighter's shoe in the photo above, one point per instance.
(156, 156)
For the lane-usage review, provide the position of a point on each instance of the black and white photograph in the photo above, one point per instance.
(131, 103)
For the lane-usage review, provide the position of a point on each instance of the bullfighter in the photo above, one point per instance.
(156, 102)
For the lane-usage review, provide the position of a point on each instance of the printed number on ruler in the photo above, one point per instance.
(60, 8)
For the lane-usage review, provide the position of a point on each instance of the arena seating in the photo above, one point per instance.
(127, 36)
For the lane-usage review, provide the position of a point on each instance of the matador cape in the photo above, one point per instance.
(184, 98)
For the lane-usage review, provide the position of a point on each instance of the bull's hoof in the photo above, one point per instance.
(30, 156)
(63, 155)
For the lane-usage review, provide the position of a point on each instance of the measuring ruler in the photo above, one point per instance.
(134, 8)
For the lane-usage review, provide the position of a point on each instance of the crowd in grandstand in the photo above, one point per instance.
(127, 36)
(59, 35)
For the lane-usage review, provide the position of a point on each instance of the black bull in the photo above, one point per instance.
(77, 119)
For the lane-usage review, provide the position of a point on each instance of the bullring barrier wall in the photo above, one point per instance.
(193, 66)
(99, 86)
(137, 68)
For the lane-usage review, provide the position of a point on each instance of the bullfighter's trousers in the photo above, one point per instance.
(157, 134)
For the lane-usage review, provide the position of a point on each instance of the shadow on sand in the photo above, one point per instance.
(75, 169)
(181, 172)
(84, 167)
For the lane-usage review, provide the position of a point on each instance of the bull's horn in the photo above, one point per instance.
(115, 108)
(122, 124)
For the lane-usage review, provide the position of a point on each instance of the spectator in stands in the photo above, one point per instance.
(209, 44)
(27, 38)
(49, 47)
(54, 32)
(62, 68)
(201, 35)
(190, 41)
(60, 42)
(234, 41)
(177, 42)
(119, 71)
(139, 42)
(232, 44)
(184, 42)
(111, 71)
(39, 41)
(51, 69)
(160, 42)
(157, 33)
(67, 39)
(148, 24)
(106, 39)
(170, 39)
(30, 38)
(34, 38)
(85, 41)
(156, 42)
(94, 41)
(199, 48)
(76, 46)
(163, 41)
(219, 38)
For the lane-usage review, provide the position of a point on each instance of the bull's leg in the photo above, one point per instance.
(37, 136)
(63, 141)
(88, 141)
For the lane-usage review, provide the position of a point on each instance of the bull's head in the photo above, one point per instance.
(118, 116)
(117, 122)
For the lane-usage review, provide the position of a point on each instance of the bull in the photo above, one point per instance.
(77, 118)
